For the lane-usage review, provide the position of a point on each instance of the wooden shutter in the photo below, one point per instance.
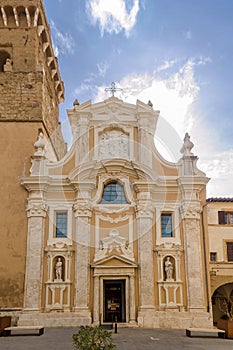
(230, 251)
(221, 218)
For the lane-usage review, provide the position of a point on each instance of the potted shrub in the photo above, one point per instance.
(225, 323)
(92, 338)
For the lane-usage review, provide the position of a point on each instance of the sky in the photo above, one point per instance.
(176, 53)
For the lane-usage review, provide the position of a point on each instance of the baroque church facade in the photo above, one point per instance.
(114, 230)
(106, 231)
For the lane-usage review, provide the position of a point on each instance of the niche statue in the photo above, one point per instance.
(169, 269)
(58, 269)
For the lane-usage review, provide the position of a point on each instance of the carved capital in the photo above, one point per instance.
(144, 212)
(36, 209)
(190, 212)
(82, 210)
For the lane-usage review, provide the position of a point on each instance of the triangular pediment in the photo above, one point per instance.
(114, 261)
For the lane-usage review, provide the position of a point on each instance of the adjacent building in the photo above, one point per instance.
(220, 230)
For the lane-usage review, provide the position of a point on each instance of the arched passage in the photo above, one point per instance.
(222, 302)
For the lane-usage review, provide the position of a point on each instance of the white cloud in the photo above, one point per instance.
(63, 43)
(167, 64)
(113, 17)
(86, 86)
(174, 97)
(102, 68)
(202, 61)
(219, 167)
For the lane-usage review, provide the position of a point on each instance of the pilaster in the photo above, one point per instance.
(36, 213)
(193, 257)
(82, 257)
(96, 306)
(132, 309)
(144, 216)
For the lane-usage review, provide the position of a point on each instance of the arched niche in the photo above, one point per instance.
(3, 56)
(169, 271)
(58, 265)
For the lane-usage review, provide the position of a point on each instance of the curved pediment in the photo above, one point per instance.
(112, 168)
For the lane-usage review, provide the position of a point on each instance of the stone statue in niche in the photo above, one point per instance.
(58, 270)
(169, 269)
(113, 143)
(8, 65)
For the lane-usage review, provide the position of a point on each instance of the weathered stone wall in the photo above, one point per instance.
(21, 96)
(33, 89)
(30, 93)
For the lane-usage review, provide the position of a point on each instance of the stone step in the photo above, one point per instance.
(53, 319)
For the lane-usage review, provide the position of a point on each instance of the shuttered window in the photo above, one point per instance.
(225, 218)
(230, 251)
(221, 218)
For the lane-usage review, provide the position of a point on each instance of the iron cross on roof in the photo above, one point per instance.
(113, 89)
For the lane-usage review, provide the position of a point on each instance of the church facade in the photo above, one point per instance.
(108, 231)
(115, 232)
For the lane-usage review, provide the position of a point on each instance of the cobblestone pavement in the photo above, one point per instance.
(125, 339)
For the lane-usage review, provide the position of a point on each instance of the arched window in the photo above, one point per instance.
(113, 194)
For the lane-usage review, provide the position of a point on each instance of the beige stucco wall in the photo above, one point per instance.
(15, 158)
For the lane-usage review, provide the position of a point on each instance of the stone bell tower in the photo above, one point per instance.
(30, 92)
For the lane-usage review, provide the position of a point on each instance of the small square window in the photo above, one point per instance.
(61, 224)
(213, 256)
(166, 225)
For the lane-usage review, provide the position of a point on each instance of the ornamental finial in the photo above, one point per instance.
(187, 146)
(40, 145)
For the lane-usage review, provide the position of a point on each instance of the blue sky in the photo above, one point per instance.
(176, 53)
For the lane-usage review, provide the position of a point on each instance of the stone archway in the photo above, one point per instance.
(222, 295)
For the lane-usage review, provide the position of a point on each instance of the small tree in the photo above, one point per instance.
(92, 338)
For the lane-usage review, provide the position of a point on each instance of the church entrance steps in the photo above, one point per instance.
(54, 319)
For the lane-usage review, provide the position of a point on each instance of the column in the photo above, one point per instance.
(193, 258)
(82, 258)
(132, 313)
(36, 213)
(96, 306)
(145, 257)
